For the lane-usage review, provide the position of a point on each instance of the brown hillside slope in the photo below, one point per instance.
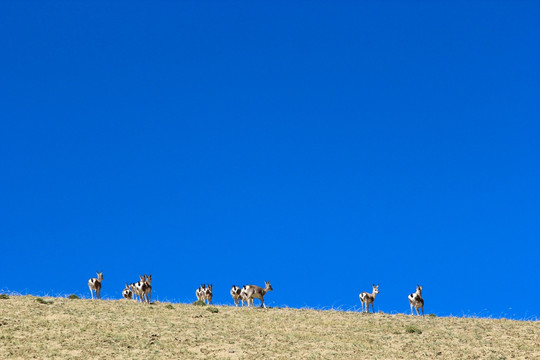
(84, 329)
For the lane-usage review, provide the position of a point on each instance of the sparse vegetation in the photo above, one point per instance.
(4, 296)
(411, 329)
(73, 297)
(43, 301)
(199, 303)
(213, 310)
(169, 306)
(67, 329)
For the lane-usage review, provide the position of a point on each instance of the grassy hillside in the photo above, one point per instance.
(31, 327)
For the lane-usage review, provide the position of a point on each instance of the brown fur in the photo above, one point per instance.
(200, 292)
(127, 293)
(238, 295)
(367, 298)
(416, 300)
(95, 285)
(257, 292)
(208, 294)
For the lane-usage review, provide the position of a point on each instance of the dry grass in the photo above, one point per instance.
(85, 329)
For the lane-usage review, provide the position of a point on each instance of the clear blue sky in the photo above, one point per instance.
(323, 146)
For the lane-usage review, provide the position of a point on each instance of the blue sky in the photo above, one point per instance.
(323, 146)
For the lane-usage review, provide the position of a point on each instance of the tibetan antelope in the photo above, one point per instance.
(257, 292)
(243, 295)
(201, 292)
(95, 284)
(208, 295)
(367, 298)
(238, 295)
(148, 288)
(416, 301)
(127, 293)
(135, 290)
(142, 288)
